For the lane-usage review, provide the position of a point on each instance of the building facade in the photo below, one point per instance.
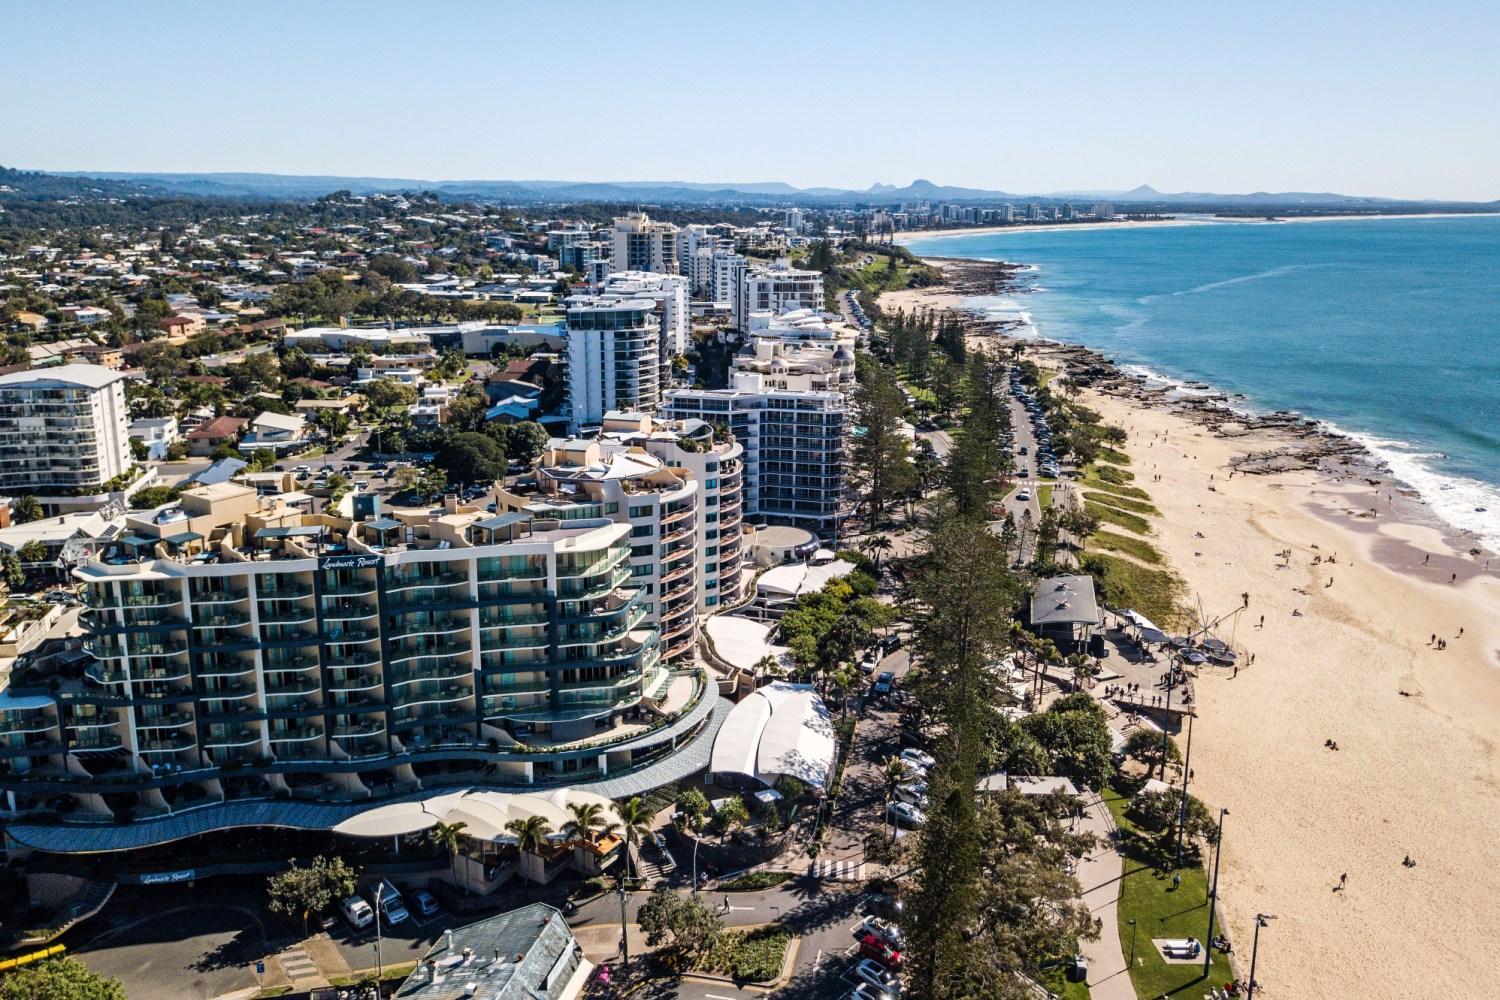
(794, 445)
(63, 430)
(778, 287)
(241, 652)
(643, 245)
(613, 357)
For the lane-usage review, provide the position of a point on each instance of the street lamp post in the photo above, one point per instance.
(1186, 772)
(1132, 943)
(624, 935)
(1260, 921)
(1213, 894)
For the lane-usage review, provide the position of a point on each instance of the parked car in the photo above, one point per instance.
(878, 976)
(923, 760)
(912, 796)
(392, 908)
(871, 946)
(357, 912)
(424, 903)
(883, 929)
(906, 814)
(867, 991)
(885, 683)
(870, 662)
(890, 643)
(880, 904)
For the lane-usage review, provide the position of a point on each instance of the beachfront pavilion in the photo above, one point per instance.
(1065, 610)
(782, 730)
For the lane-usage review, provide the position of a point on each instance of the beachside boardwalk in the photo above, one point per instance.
(1100, 873)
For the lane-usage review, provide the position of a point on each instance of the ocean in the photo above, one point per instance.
(1388, 330)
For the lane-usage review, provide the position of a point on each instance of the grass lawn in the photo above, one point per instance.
(1147, 897)
(1044, 495)
(1121, 503)
(1155, 593)
(1109, 515)
(397, 972)
(1137, 547)
(1116, 457)
(1056, 981)
(1115, 489)
(1045, 375)
(1109, 473)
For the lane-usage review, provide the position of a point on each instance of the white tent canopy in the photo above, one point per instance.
(484, 815)
(781, 729)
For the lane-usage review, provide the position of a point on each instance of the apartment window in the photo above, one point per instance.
(643, 531)
(710, 567)
(710, 601)
(711, 516)
(613, 507)
(710, 550)
(644, 511)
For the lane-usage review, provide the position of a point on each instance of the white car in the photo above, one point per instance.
(913, 794)
(917, 758)
(885, 930)
(1023, 496)
(392, 907)
(884, 980)
(906, 814)
(357, 912)
(865, 991)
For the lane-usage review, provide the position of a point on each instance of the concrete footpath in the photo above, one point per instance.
(1100, 874)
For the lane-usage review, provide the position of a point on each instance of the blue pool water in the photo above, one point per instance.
(1388, 329)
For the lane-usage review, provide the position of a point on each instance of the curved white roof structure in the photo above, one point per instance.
(485, 815)
(781, 729)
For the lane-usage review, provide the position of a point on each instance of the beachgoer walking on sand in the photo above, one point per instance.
(1262, 622)
(1245, 596)
(1460, 632)
(1343, 880)
(1453, 578)
(1426, 559)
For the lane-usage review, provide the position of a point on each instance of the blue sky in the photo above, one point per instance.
(1375, 98)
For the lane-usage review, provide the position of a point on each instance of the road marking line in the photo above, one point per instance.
(715, 996)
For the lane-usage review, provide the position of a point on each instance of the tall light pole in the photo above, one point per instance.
(1132, 944)
(1187, 764)
(1260, 921)
(1213, 895)
(624, 934)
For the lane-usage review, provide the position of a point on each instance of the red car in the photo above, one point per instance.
(871, 946)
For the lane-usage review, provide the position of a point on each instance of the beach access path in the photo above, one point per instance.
(1100, 873)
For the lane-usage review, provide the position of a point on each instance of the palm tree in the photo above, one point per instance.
(880, 546)
(531, 833)
(635, 825)
(894, 773)
(449, 836)
(587, 818)
(26, 508)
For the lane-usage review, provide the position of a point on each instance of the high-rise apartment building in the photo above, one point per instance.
(613, 357)
(63, 430)
(252, 665)
(794, 443)
(643, 245)
(777, 287)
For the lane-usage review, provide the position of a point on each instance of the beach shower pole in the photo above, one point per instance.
(1213, 895)
(1260, 921)
(1187, 764)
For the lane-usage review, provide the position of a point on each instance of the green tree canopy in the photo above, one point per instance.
(58, 979)
(300, 891)
(470, 457)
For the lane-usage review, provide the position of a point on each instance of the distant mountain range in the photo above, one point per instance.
(297, 186)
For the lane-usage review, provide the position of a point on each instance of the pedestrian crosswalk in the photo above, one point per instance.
(838, 869)
(297, 965)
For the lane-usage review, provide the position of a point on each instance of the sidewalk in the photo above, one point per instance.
(1099, 873)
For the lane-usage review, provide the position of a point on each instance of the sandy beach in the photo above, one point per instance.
(1416, 773)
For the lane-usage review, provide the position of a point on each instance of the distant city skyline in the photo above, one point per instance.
(1377, 99)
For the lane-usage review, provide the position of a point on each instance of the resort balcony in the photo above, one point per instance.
(138, 618)
(219, 691)
(226, 668)
(524, 648)
(296, 662)
(84, 723)
(358, 730)
(171, 720)
(525, 687)
(401, 655)
(287, 616)
(237, 738)
(293, 734)
(614, 687)
(594, 567)
(291, 684)
(450, 694)
(95, 739)
(442, 671)
(355, 682)
(166, 670)
(220, 710)
(512, 619)
(676, 516)
(220, 596)
(336, 635)
(350, 589)
(35, 745)
(223, 619)
(164, 744)
(442, 580)
(345, 661)
(293, 706)
(348, 611)
(441, 626)
(155, 600)
(284, 591)
(432, 712)
(591, 587)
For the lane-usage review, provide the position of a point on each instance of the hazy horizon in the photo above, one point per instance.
(1368, 101)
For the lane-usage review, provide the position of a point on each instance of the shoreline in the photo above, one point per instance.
(1185, 219)
(1417, 771)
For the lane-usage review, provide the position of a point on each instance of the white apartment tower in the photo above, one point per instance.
(778, 287)
(613, 357)
(62, 430)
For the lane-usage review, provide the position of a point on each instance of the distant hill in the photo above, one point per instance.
(302, 186)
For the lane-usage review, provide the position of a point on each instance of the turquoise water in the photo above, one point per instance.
(1387, 329)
